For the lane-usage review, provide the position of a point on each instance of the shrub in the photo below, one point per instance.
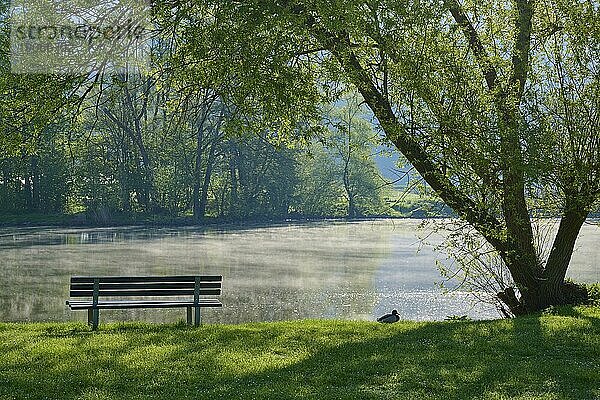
(593, 291)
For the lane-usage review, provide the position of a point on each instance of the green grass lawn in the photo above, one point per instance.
(538, 357)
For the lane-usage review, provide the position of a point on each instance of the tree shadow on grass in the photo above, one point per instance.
(472, 360)
(437, 362)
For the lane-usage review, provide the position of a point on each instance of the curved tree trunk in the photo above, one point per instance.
(553, 278)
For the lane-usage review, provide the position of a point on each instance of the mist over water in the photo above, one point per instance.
(339, 270)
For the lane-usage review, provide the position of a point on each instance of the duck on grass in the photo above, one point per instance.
(389, 318)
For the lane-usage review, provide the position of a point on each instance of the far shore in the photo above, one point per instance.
(83, 220)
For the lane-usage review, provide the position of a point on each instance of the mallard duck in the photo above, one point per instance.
(389, 318)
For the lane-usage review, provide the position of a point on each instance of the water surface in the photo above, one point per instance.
(342, 270)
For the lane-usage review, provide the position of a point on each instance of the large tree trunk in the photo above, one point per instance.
(547, 287)
(520, 256)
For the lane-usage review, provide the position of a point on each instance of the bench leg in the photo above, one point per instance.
(189, 316)
(95, 316)
(90, 316)
(197, 317)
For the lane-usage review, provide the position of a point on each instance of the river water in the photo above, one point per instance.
(340, 270)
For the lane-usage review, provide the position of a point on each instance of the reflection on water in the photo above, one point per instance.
(344, 270)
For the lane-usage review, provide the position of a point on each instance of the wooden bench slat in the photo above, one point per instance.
(125, 279)
(146, 285)
(145, 292)
(115, 305)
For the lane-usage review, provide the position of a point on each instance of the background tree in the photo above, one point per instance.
(352, 142)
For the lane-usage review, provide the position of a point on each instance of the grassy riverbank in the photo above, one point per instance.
(538, 357)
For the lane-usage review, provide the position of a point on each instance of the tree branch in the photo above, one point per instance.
(475, 44)
(520, 58)
(482, 220)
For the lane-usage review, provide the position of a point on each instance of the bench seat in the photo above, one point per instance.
(124, 304)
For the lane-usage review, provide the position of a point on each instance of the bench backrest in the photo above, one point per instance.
(142, 286)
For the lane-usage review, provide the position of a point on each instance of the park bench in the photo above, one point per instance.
(124, 292)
